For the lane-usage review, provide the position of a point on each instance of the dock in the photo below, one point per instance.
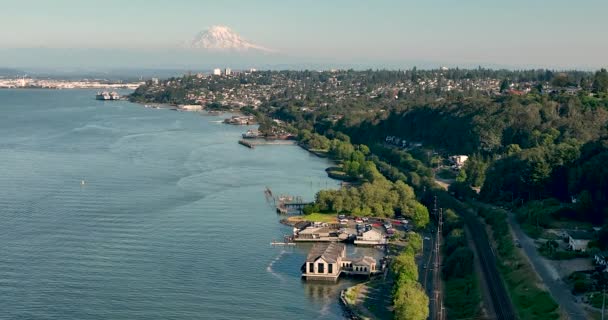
(247, 144)
(287, 241)
(285, 204)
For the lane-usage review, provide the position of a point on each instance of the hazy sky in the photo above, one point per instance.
(553, 33)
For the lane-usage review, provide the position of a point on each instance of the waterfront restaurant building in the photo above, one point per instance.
(326, 261)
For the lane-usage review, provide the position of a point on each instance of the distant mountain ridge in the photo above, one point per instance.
(222, 38)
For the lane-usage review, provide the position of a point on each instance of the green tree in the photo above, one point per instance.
(459, 264)
(411, 303)
(462, 176)
(600, 81)
(420, 215)
(405, 268)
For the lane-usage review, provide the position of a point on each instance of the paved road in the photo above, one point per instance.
(425, 269)
(558, 289)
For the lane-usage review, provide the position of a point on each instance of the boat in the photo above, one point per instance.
(251, 134)
(105, 95)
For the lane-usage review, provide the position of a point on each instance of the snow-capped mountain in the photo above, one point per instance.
(222, 38)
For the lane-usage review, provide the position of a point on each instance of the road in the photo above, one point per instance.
(426, 275)
(558, 289)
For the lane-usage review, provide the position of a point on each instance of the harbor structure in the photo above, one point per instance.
(240, 120)
(371, 237)
(191, 107)
(105, 95)
(318, 233)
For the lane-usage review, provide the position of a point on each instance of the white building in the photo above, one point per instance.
(191, 107)
(578, 240)
(217, 72)
(324, 261)
(227, 71)
(371, 237)
(459, 161)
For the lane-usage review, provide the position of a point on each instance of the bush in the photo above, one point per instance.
(581, 286)
(459, 264)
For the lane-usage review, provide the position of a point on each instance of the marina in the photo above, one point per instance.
(106, 95)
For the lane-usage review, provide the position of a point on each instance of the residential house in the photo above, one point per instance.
(458, 161)
(578, 240)
(601, 260)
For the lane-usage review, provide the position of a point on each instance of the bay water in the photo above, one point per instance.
(109, 210)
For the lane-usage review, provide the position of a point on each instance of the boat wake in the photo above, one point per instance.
(269, 268)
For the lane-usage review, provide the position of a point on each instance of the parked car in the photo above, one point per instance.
(359, 220)
(365, 219)
(341, 216)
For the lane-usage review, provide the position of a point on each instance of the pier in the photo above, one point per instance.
(247, 144)
(285, 203)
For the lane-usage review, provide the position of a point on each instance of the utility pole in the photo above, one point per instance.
(603, 300)
(437, 276)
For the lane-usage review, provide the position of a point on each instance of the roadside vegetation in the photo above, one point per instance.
(462, 295)
(530, 300)
(409, 299)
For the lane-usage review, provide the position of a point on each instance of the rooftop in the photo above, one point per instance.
(328, 251)
(580, 235)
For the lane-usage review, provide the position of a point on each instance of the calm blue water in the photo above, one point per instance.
(171, 223)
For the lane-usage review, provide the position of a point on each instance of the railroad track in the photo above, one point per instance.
(496, 287)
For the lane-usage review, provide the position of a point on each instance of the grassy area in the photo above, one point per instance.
(379, 299)
(315, 217)
(529, 299)
(352, 293)
(462, 297)
(596, 299)
(445, 173)
(338, 174)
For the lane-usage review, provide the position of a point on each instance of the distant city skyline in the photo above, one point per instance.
(518, 34)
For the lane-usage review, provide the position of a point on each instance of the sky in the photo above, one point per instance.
(560, 34)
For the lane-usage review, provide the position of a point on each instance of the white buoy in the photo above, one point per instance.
(82, 182)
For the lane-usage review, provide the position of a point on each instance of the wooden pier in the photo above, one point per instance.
(285, 204)
(247, 144)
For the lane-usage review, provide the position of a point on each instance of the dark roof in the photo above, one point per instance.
(302, 224)
(328, 251)
(580, 235)
(365, 260)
